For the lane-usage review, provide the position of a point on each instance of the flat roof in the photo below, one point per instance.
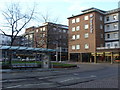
(26, 48)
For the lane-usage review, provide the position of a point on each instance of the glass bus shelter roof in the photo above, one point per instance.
(26, 48)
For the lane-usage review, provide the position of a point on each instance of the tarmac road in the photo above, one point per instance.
(85, 76)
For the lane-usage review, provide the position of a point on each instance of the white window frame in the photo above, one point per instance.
(73, 20)
(77, 28)
(115, 35)
(77, 20)
(101, 18)
(77, 47)
(37, 30)
(77, 36)
(101, 26)
(73, 29)
(73, 37)
(86, 46)
(101, 35)
(43, 28)
(86, 17)
(114, 17)
(86, 35)
(86, 26)
(115, 26)
(73, 47)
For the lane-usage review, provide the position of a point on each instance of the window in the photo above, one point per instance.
(115, 26)
(54, 29)
(86, 46)
(108, 45)
(73, 29)
(101, 26)
(86, 26)
(86, 18)
(101, 45)
(77, 36)
(2, 42)
(59, 30)
(43, 35)
(115, 44)
(108, 35)
(107, 18)
(115, 35)
(31, 36)
(43, 28)
(108, 27)
(64, 31)
(60, 36)
(86, 35)
(37, 30)
(2, 36)
(77, 47)
(114, 17)
(101, 35)
(73, 20)
(77, 19)
(73, 37)
(77, 28)
(73, 47)
(101, 18)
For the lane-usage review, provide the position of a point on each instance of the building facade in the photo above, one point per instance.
(4, 40)
(49, 35)
(92, 30)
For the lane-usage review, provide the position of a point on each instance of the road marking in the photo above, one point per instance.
(69, 79)
(12, 80)
(92, 76)
(14, 86)
(75, 74)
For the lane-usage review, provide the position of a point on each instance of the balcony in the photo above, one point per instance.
(113, 47)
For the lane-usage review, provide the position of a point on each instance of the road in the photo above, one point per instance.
(85, 76)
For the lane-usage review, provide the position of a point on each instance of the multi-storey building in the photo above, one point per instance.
(112, 29)
(92, 29)
(4, 40)
(49, 35)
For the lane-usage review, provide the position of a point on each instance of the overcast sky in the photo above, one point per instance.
(61, 9)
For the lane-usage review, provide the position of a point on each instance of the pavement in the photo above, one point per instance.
(90, 66)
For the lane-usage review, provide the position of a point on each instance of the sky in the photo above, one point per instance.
(61, 9)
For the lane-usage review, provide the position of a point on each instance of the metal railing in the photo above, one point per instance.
(113, 47)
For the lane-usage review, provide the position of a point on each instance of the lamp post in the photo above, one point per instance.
(56, 52)
(60, 54)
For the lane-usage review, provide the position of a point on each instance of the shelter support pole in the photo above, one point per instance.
(111, 57)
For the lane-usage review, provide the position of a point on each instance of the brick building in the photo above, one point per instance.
(91, 32)
(49, 35)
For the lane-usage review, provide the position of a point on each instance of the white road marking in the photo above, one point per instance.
(69, 79)
(14, 86)
(91, 76)
(12, 80)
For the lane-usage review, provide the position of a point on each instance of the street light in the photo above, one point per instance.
(56, 52)
(60, 53)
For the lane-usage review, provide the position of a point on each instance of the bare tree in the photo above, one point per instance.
(16, 20)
